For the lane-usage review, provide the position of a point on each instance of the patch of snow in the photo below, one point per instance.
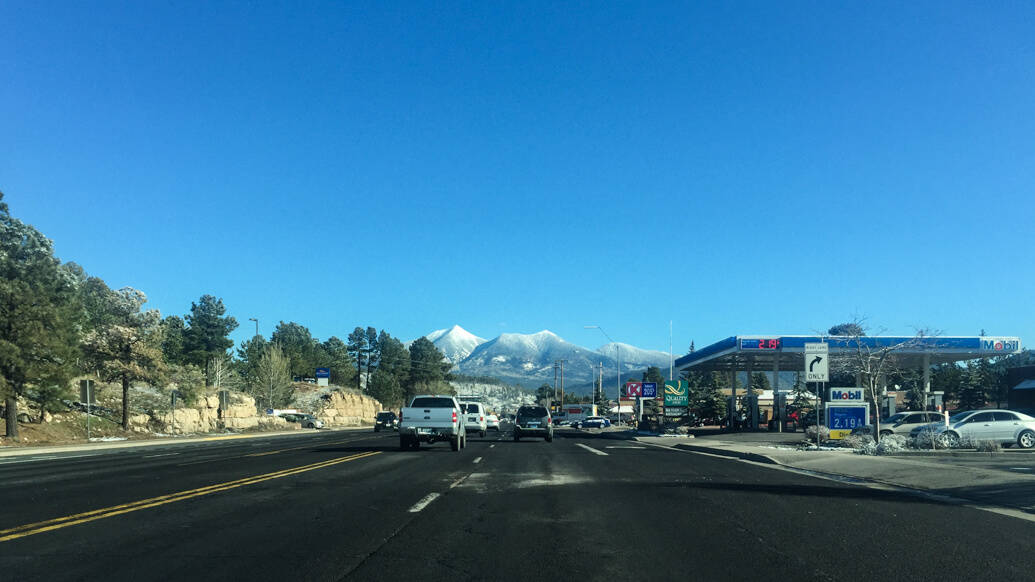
(107, 439)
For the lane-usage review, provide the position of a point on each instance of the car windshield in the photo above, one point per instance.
(894, 417)
(431, 402)
(959, 417)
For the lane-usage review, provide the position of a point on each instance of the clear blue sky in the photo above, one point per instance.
(735, 167)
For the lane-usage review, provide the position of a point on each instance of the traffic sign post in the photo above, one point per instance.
(817, 362)
(817, 369)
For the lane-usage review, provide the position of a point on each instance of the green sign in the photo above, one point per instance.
(677, 393)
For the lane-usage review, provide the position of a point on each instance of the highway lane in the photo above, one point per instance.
(584, 506)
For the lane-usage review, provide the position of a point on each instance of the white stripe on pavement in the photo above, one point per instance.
(478, 460)
(424, 502)
(591, 449)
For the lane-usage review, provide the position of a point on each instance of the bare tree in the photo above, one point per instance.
(871, 361)
(273, 377)
(222, 374)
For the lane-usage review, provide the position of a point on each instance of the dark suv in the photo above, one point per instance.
(386, 421)
(533, 421)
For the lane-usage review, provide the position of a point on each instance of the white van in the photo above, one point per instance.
(475, 415)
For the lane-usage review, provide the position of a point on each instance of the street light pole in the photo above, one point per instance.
(256, 325)
(618, 358)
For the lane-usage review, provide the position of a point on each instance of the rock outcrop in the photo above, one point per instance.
(346, 408)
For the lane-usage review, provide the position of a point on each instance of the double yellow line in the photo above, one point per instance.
(22, 531)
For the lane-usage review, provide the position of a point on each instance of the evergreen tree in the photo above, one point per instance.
(393, 358)
(174, 340)
(357, 348)
(298, 346)
(128, 349)
(544, 393)
(335, 355)
(759, 382)
(972, 392)
(208, 331)
(39, 316)
(427, 368)
(386, 388)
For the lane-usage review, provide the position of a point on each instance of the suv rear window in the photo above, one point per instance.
(469, 407)
(386, 416)
(431, 402)
(532, 412)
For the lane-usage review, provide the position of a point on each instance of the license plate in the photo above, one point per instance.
(473, 419)
(424, 430)
(533, 425)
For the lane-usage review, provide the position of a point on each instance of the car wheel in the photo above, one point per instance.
(404, 443)
(454, 443)
(1026, 439)
(516, 437)
(949, 440)
(885, 433)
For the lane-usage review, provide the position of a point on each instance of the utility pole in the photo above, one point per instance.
(555, 381)
(256, 325)
(600, 384)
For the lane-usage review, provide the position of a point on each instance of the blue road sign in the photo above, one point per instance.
(323, 372)
(845, 418)
(650, 389)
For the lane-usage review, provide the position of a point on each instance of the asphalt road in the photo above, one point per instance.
(348, 505)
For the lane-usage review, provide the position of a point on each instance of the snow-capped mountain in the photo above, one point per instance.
(456, 342)
(528, 359)
(633, 357)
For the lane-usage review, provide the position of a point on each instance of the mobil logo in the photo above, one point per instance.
(1000, 344)
(844, 394)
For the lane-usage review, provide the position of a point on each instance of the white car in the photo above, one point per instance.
(1003, 426)
(475, 414)
(902, 423)
(492, 421)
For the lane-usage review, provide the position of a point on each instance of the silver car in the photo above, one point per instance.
(902, 423)
(1003, 426)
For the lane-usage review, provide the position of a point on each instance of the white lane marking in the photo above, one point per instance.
(591, 449)
(633, 448)
(1020, 468)
(424, 502)
(478, 460)
(457, 483)
(491, 446)
(162, 455)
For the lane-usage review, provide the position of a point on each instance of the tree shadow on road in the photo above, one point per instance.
(842, 492)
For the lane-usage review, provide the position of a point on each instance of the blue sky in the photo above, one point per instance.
(733, 167)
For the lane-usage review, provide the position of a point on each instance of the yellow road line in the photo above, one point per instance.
(69, 520)
(301, 447)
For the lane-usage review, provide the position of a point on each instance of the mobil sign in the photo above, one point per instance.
(846, 395)
(1000, 344)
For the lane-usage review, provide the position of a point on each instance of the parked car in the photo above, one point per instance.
(901, 423)
(386, 420)
(475, 413)
(533, 421)
(492, 422)
(1003, 426)
(306, 420)
(596, 422)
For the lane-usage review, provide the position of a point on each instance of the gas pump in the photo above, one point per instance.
(731, 412)
(887, 406)
(751, 403)
(935, 401)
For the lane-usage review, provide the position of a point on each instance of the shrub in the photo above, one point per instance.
(893, 443)
(988, 446)
(857, 441)
(810, 433)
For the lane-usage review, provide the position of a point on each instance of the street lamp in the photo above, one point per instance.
(256, 325)
(618, 358)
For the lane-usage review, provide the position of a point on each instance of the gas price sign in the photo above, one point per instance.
(766, 343)
(842, 419)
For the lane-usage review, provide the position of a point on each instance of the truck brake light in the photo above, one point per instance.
(481, 418)
(454, 416)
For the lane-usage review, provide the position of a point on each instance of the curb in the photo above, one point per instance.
(729, 453)
(154, 442)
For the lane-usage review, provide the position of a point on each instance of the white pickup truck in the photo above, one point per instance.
(430, 418)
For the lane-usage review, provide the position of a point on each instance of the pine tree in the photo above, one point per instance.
(972, 392)
(40, 315)
(208, 331)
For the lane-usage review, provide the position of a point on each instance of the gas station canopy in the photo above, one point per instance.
(787, 352)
